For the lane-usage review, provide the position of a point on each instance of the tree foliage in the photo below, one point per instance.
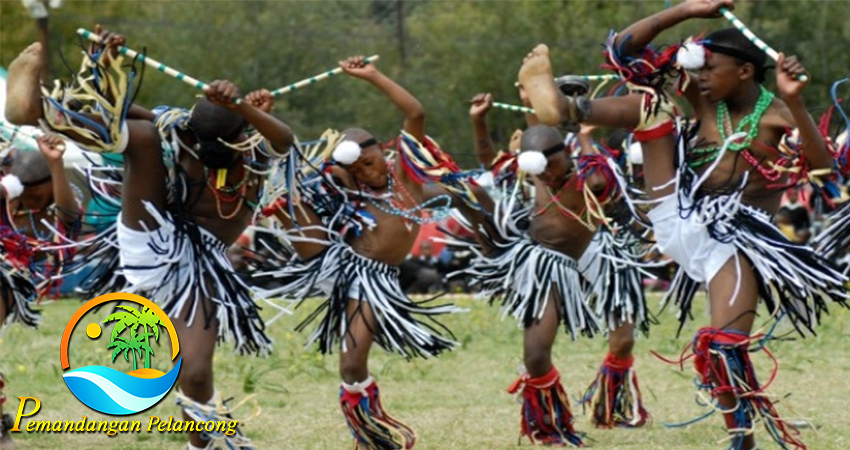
(442, 51)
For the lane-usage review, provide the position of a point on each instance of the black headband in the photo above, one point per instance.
(736, 53)
(367, 143)
(560, 146)
(36, 182)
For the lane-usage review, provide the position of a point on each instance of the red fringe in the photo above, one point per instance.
(715, 351)
(615, 394)
(372, 427)
(546, 415)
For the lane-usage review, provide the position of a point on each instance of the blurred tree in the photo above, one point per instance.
(443, 51)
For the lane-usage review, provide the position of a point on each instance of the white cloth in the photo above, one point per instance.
(143, 267)
(687, 240)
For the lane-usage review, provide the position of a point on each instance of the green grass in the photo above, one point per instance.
(455, 402)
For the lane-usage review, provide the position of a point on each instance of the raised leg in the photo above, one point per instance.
(23, 87)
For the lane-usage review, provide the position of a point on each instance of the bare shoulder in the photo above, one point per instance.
(778, 115)
(142, 134)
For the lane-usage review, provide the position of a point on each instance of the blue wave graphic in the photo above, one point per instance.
(112, 392)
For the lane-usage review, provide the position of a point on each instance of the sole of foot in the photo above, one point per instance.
(23, 87)
(536, 78)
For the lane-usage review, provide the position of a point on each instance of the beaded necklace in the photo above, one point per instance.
(554, 200)
(749, 125)
(30, 214)
(227, 194)
(397, 208)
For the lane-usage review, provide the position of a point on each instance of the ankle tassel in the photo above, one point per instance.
(614, 397)
(218, 410)
(546, 415)
(372, 427)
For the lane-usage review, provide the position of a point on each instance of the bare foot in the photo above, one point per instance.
(23, 88)
(536, 77)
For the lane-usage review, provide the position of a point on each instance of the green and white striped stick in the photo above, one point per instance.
(15, 134)
(149, 61)
(605, 77)
(513, 107)
(314, 79)
(773, 54)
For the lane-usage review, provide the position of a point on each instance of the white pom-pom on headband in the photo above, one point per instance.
(532, 162)
(691, 55)
(346, 152)
(13, 186)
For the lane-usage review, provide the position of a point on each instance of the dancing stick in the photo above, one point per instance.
(13, 133)
(773, 54)
(314, 79)
(150, 62)
(513, 107)
(605, 77)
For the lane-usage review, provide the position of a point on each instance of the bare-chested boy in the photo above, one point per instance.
(358, 271)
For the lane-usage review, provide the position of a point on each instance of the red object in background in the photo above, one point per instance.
(427, 232)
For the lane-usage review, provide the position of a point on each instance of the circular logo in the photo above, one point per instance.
(134, 329)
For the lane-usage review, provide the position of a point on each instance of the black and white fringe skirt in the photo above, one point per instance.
(402, 325)
(701, 235)
(833, 242)
(18, 292)
(524, 276)
(611, 265)
(185, 269)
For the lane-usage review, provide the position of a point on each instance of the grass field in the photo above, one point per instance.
(455, 402)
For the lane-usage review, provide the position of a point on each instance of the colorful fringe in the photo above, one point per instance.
(427, 163)
(372, 427)
(723, 367)
(105, 91)
(546, 415)
(614, 398)
(217, 410)
(647, 69)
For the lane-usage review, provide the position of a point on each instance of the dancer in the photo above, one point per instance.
(36, 202)
(356, 221)
(713, 211)
(617, 293)
(189, 201)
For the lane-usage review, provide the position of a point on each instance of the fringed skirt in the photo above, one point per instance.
(611, 266)
(401, 325)
(18, 292)
(184, 268)
(703, 234)
(525, 276)
(833, 243)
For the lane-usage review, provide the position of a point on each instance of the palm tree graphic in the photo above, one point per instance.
(138, 323)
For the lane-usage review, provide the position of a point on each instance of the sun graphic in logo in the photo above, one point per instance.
(108, 390)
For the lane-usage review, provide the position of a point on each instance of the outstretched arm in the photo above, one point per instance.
(480, 219)
(67, 206)
(414, 113)
(224, 93)
(644, 31)
(790, 88)
(484, 149)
